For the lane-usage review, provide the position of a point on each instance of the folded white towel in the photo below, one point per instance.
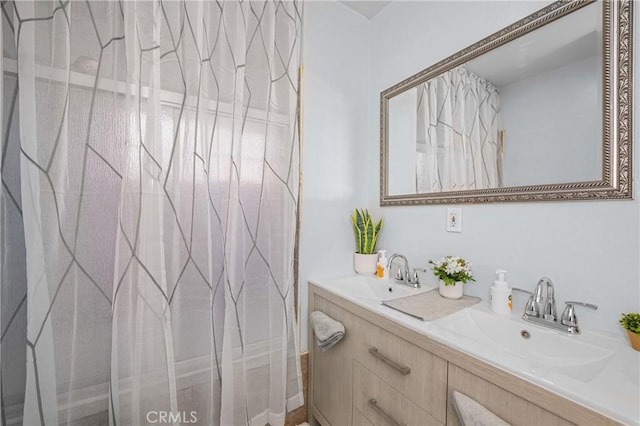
(328, 331)
(471, 413)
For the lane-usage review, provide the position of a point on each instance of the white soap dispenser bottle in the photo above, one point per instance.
(382, 271)
(501, 294)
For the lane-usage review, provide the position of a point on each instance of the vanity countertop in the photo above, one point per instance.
(612, 389)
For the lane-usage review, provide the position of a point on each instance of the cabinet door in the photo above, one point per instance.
(333, 370)
(504, 404)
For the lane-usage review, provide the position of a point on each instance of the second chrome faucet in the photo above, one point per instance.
(540, 308)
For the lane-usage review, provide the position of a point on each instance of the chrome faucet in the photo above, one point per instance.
(404, 274)
(540, 308)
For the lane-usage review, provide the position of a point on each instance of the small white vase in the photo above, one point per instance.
(365, 264)
(451, 291)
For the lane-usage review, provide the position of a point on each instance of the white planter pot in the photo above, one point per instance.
(365, 264)
(451, 291)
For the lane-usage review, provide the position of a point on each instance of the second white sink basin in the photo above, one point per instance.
(545, 350)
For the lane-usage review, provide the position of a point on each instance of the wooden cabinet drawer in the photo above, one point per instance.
(416, 373)
(381, 404)
(332, 371)
(359, 419)
(504, 404)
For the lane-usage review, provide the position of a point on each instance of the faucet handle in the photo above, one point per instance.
(531, 308)
(399, 274)
(569, 317)
(415, 278)
(584, 305)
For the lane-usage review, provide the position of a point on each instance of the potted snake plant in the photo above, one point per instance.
(366, 232)
(631, 323)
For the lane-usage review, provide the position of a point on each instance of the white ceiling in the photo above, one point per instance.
(573, 38)
(368, 8)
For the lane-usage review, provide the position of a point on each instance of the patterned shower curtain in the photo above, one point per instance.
(458, 129)
(149, 198)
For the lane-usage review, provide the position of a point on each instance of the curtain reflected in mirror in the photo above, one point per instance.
(457, 133)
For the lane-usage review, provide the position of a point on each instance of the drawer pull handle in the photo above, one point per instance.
(403, 369)
(374, 404)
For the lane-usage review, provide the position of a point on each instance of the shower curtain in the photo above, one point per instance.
(148, 212)
(458, 133)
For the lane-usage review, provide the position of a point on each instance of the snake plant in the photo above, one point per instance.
(367, 231)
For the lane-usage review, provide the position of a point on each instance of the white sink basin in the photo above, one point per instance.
(544, 350)
(373, 289)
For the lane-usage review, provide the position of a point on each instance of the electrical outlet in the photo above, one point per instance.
(454, 219)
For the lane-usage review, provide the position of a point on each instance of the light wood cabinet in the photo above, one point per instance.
(384, 374)
(331, 372)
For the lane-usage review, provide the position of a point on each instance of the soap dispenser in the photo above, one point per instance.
(382, 271)
(501, 294)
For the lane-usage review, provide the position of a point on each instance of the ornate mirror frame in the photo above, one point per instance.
(616, 182)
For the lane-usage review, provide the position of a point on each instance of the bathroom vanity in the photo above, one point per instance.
(392, 369)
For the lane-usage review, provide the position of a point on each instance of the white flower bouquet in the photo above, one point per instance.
(452, 269)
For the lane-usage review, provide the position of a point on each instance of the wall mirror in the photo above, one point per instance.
(540, 110)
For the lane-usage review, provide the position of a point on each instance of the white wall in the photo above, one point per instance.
(335, 102)
(589, 249)
(553, 126)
